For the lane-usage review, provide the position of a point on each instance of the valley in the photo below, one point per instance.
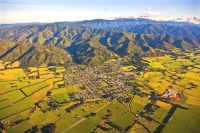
(129, 94)
(103, 66)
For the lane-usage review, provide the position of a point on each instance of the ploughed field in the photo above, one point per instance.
(113, 97)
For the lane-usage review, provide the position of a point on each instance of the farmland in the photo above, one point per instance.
(189, 121)
(112, 97)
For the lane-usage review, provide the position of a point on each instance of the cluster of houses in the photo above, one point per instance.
(106, 81)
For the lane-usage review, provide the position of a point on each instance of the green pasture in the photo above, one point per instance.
(151, 125)
(15, 85)
(20, 128)
(138, 103)
(33, 88)
(70, 118)
(14, 96)
(60, 95)
(3, 97)
(27, 102)
(19, 116)
(125, 120)
(4, 103)
(43, 118)
(166, 62)
(7, 112)
(184, 120)
(160, 114)
(87, 125)
(115, 108)
(66, 120)
(70, 89)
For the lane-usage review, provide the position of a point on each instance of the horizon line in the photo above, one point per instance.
(148, 18)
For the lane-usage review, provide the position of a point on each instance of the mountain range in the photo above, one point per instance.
(94, 41)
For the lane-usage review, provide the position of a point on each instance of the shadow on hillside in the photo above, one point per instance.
(8, 51)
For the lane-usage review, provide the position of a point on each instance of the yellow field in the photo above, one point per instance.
(159, 85)
(193, 102)
(128, 68)
(57, 83)
(137, 129)
(7, 76)
(155, 80)
(140, 100)
(193, 94)
(12, 74)
(191, 75)
(195, 70)
(60, 69)
(43, 70)
(33, 74)
(33, 69)
(163, 105)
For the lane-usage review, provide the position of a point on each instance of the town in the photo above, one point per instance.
(107, 81)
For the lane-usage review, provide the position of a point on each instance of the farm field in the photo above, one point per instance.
(60, 95)
(189, 118)
(116, 112)
(20, 94)
(155, 99)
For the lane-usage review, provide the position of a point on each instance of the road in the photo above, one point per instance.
(85, 118)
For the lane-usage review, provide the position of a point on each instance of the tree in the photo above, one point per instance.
(33, 129)
(49, 128)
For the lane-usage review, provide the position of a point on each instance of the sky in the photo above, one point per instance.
(26, 11)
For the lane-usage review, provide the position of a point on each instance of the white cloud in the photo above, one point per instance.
(183, 17)
(168, 16)
(197, 18)
(79, 17)
(149, 9)
(151, 14)
(189, 19)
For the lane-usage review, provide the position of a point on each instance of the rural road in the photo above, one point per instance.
(85, 118)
